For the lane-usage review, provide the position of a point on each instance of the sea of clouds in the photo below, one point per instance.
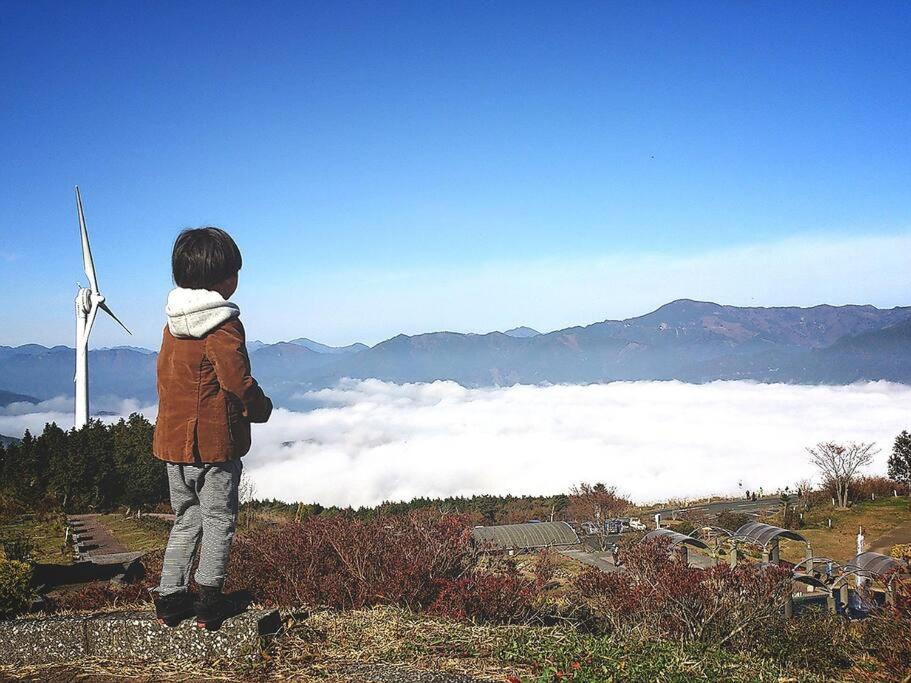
(373, 441)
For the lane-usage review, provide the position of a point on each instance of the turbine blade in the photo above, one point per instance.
(93, 311)
(104, 307)
(86, 251)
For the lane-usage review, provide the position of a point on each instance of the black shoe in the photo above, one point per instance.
(173, 608)
(213, 607)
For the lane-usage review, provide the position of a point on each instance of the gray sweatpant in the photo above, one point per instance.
(204, 498)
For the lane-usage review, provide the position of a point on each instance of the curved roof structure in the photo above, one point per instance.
(675, 537)
(877, 564)
(763, 534)
(522, 536)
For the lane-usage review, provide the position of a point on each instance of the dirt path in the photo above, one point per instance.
(900, 534)
(98, 540)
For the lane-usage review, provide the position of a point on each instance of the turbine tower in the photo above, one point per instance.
(88, 301)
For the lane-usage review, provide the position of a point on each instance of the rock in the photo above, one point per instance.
(133, 637)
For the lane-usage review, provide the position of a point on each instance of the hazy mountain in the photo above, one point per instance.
(687, 340)
(7, 397)
(322, 348)
(47, 372)
(137, 349)
(521, 332)
(254, 345)
(7, 440)
(27, 350)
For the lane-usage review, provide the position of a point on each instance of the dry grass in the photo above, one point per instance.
(147, 533)
(46, 533)
(326, 644)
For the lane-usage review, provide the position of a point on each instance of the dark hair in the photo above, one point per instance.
(203, 257)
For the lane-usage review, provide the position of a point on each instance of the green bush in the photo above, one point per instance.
(17, 547)
(15, 587)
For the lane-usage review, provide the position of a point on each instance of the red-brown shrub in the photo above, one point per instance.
(481, 595)
(886, 635)
(545, 567)
(660, 597)
(863, 488)
(344, 563)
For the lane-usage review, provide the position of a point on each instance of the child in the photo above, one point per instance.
(206, 402)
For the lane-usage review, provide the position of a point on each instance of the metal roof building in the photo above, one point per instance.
(526, 536)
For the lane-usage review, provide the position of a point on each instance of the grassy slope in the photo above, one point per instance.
(840, 542)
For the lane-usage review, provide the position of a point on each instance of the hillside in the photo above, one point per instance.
(687, 340)
(7, 397)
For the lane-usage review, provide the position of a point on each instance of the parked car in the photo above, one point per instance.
(636, 524)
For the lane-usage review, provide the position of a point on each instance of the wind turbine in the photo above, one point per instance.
(88, 301)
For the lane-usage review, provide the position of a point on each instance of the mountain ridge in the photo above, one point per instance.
(687, 340)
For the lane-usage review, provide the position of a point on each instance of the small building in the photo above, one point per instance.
(516, 537)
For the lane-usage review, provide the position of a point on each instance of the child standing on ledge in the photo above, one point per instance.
(206, 402)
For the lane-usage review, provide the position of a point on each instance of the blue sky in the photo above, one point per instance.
(404, 167)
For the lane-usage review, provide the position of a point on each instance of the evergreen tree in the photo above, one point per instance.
(142, 479)
(900, 460)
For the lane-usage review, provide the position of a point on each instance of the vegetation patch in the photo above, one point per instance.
(137, 533)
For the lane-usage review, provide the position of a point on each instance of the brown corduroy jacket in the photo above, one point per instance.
(206, 397)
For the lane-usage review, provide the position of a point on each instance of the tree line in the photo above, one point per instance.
(98, 467)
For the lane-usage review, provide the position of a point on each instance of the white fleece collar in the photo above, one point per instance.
(196, 312)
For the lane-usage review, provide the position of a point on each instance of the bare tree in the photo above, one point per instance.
(595, 503)
(839, 463)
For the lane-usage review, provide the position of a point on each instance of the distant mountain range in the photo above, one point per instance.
(7, 397)
(691, 341)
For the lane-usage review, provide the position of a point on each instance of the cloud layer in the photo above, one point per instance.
(17, 417)
(378, 441)
(373, 441)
